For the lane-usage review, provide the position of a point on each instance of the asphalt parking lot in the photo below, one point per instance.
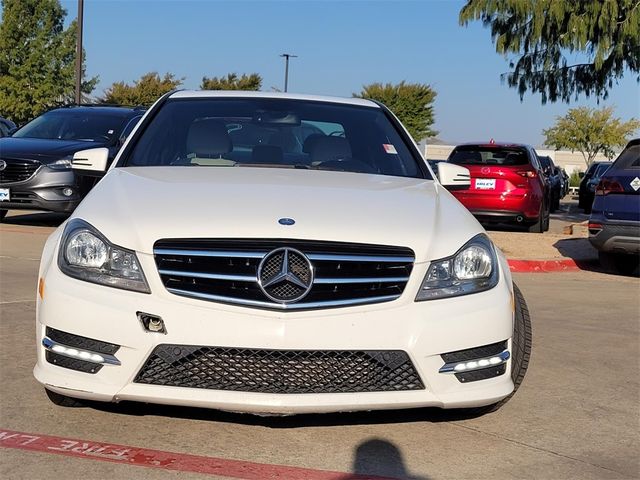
(576, 415)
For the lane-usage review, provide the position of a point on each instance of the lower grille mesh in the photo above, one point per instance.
(280, 371)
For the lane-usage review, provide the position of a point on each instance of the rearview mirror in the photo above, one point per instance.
(454, 177)
(92, 160)
(273, 118)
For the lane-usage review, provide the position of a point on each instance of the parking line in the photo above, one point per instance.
(144, 457)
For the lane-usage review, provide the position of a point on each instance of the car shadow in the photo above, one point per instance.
(39, 219)
(581, 252)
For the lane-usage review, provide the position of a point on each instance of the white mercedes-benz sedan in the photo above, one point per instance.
(276, 254)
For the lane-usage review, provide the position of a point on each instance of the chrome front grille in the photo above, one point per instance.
(226, 271)
(16, 170)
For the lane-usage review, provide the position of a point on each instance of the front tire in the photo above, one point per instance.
(521, 343)
(3, 213)
(556, 203)
(62, 400)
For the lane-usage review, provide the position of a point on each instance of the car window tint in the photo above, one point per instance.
(480, 155)
(71, 125)
(629, 158)
(223, 132)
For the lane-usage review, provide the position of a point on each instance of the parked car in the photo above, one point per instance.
(273, 281)
(507, 184)
(614, 225)
(554, 181)
(588, 184)
(7, 127)
(35, 162)
(565, 182)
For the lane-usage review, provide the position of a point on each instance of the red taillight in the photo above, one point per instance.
(605, 187)
(594, 228)
(527, 173)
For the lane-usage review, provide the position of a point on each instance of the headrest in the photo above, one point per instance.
(515, 158)
(208, 138)
(330, 148)
(310, 141)
(266, 154)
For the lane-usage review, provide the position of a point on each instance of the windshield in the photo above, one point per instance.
(480, 155)
(276, 133)
(73, 125)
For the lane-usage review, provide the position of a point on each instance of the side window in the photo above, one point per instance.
(534, 160)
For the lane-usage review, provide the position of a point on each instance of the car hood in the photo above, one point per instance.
(136, 206)
(42, 149)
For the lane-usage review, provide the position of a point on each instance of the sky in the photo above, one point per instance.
(341, 46)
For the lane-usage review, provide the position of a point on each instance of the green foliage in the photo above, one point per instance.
(543, 34)
(252, 81)
(143, 92)
(590, 131)
(411, 102)
(574, 179)
(37, 59)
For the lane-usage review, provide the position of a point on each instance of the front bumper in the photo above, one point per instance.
(423, 330)
(43, 191)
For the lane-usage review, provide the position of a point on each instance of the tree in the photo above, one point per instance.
(252, 81)
(143, 92)
(37, 59)
(541, 34)
(411, 102)
(590, 132)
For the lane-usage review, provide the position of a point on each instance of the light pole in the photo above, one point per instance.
(79, 53)
(286, 68)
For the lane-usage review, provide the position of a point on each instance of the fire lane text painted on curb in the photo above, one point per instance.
(144, 457)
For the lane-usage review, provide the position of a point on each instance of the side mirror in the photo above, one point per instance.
(454, 177)
(581, 174)
(92, 160)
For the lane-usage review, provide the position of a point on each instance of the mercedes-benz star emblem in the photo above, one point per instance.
(3, 165)
(285, 275)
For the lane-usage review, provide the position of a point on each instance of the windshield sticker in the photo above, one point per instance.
(110, 132)
(635, 184)
(389, 148)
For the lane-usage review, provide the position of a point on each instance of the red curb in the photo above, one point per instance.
(144, 457)
(543, 266)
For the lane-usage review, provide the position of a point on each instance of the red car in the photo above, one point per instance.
(507, 184)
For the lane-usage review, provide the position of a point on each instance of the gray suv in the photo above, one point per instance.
(35, 162)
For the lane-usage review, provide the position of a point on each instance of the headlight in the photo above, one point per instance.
(62, 164)
(474, 268)
(87, 255)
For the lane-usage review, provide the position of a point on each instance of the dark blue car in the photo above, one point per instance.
(614, 226)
